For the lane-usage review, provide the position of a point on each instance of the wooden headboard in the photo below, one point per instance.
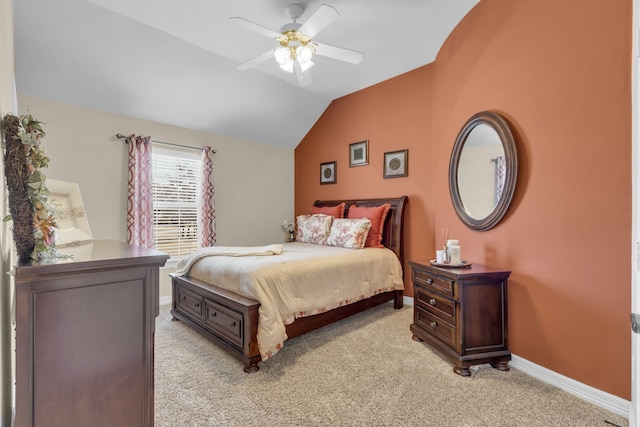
(393, 234)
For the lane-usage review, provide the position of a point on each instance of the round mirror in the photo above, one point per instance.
(483, 170)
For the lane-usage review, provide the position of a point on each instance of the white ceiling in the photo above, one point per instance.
(173, 61)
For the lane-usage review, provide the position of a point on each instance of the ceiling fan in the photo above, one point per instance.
(296, 49)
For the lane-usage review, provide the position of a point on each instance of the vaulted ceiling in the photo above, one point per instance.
(175, 61)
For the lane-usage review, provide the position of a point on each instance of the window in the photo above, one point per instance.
(176, 184)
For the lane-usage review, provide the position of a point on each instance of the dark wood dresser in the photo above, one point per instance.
(85, 337)
(462, 313)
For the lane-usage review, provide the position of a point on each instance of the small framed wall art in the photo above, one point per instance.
(359, 153)
(396, 164)
(328, 173)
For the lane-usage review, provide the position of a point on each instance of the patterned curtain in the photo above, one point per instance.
(207, 214)
(140, 192)
(500, 175)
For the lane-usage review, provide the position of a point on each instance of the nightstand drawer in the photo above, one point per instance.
(440, 307)
(223, 320)
(441, 285)
(435, 327)
(189, 303)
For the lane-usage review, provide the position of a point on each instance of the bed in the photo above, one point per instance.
(224, 315)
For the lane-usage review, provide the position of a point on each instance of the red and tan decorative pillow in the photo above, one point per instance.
(334, 211)
(313, 228)
(377, 216)
(349, 233)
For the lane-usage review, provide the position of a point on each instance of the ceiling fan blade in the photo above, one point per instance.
(340, 53)
(303, 77)
(322, 17)
(252, 26)
(255, 61)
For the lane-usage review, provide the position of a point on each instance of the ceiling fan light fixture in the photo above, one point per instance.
(282, 55)
(304, 54)
(296, 49)
(288, 66)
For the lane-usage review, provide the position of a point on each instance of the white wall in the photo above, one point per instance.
(253, 182)
(7, 105)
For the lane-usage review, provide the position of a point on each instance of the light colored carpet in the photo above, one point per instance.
(362, 371)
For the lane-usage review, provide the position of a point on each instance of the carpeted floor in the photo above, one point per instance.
(362, 371)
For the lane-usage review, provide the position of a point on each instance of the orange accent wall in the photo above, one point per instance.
(560, 72)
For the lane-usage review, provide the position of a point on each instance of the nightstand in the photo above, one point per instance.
(462, 313)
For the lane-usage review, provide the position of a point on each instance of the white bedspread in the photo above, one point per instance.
(303, 280)
(184, 265)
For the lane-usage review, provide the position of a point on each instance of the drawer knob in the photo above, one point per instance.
(182, 298)
(429, 281)
(433, 325)
(432, 301)
(233, 324)
(214, 314)
(197, 304)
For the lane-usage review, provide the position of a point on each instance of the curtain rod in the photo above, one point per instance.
(121, 136)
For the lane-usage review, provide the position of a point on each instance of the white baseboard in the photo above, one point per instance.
(602, 399)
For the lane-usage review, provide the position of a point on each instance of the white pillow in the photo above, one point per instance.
(313, 228)
(349, 232)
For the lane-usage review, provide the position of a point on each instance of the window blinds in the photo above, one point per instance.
(176, 184)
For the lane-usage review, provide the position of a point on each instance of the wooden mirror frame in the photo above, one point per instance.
(500, 125)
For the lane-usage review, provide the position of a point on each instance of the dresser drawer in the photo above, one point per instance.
(440, 307)
(441, 285)
(189, 303)
(435, 327)
(223, 320)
